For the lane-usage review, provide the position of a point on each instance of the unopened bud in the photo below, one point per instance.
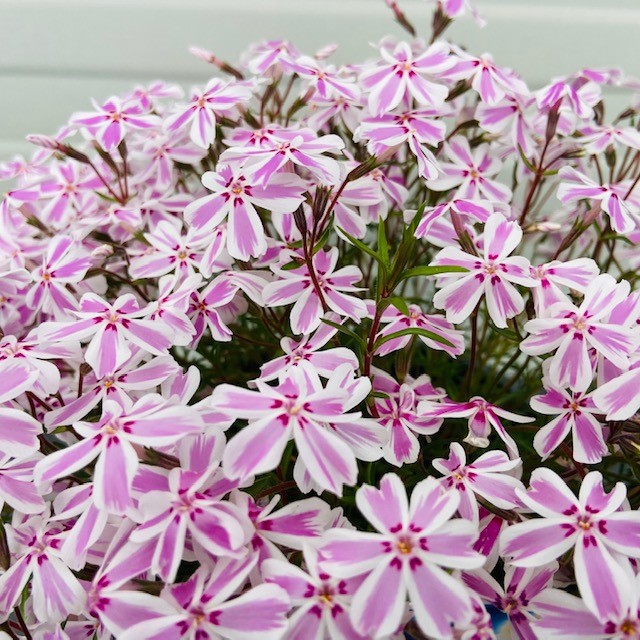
(46, 142)
(208, 56)
(552, 120)
(102, 251)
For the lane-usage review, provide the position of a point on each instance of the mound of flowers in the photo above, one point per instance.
(325, 352)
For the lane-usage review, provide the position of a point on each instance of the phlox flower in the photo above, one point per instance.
(301, 147)
(308, 353)
(601, 534)
(64, 262)
(235, 197)
(474, 210)
(598, 137)
(395, 320)
(322, 601)
(482, 416)
(151, 421)
(218, 97)
(296, 286)
(404, 558)
(191, 507)
(16, 483)
(490, 275)
(111, 120)
(112, 328)
(577, 186)
(292, 526)
(419, 129)
(299, 408)
(400, 74)
(398, 414)
(169, 251)
(34, 544)
(492, 477)
(562, 616)
(204, 608)
(325, 79)
(491, 82)
(574, 413)
(521, 586)
(471, 171)
(570, 331)
(574, 274)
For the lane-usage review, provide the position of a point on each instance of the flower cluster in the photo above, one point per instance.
(331, 352)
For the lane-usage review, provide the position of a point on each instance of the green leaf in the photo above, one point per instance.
(431, 271)
(345, 330)
(509, 334)
(363, 247)
(383, 247)
(398, 303)
(322, 240)
(290, 265)
(412, 331)
(526, 160)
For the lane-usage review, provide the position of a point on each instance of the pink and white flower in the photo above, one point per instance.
(491, 275)
(404, 558)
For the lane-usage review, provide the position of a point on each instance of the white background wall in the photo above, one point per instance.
(56, 54)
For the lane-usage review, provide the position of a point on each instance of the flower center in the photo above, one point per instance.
(628, 628)
(584, 523)
(182, 255)
(404, 546)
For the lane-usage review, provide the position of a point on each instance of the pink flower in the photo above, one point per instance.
(491, 477)
(322, 601)
(574, 274)
(508, 118)
(417, 128)
(56, 591)
(619, 398)
(574, 413)
(397, 413)
(521, 586)
(482, 417)
(414, 540)
(490, 81)
(600, 534)
(111, 328)
(471, 171)
(16, 483)
(216, 305)
(293, 526)
(307, 354)
(67, 188)
(612, 198)
(578, 95)
(192, 506)
(204, 608)
(217, 97)
(475, 210)
(235, 198)
(396, 320)
(119, 385)
(296, 286)
(562, 616)
(64, 262)
(297, 408)
(570, 331)
(326, 80)
(598, 137)
(152, 421)
(490, 275)
(400, 75)
(301, 147)
(111, 120)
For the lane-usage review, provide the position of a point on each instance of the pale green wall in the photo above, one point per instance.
(56, 54)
